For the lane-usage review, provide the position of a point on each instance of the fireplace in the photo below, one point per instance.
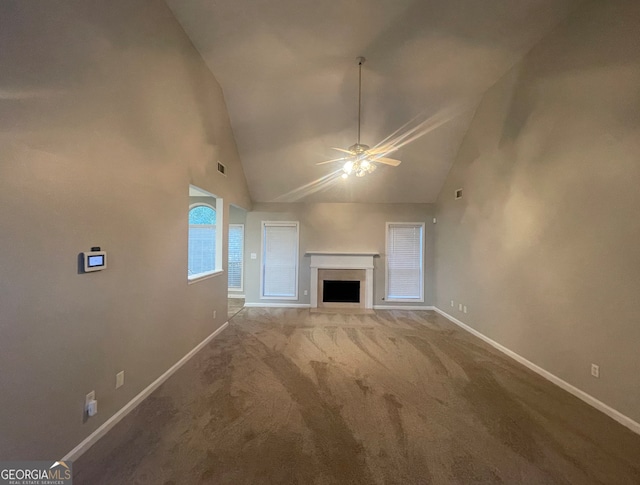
(337, 291)
(341, 280)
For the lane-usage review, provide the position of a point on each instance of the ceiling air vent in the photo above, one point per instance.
(222, 169)
(459, 194)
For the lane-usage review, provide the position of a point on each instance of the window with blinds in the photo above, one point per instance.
(236, 256)
(280, 260)
(202, 240)
(405, 249)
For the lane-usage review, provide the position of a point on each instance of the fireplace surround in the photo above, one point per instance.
(341, 266)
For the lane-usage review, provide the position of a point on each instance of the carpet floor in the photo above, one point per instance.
(234, 305)
(287, 396)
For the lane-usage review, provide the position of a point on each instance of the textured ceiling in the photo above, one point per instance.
(289, 74)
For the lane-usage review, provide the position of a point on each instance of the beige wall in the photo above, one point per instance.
(544, 248)
(338, 227)
(107, 114)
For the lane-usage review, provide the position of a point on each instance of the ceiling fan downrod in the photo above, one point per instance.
(360, 62)
(361, 159)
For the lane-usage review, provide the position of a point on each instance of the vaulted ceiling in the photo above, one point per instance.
(289, 74)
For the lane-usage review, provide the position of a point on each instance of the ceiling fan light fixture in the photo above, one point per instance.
(359, 168)
(362, 159)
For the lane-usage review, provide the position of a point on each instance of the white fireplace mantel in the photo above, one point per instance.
(342, 260)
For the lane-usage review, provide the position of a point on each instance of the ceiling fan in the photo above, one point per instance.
(361, 159)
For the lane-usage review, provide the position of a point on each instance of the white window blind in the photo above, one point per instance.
(280, 260)
(202, 240)
(236, 255)
(405, 248)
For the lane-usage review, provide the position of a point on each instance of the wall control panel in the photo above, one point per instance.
(94, 260)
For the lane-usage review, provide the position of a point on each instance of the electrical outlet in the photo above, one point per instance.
(92, 408)
(119, 379)
(91, 404)
(595, 370)
(460, 306)
(452, 305)
(464, 308)
(306, 292)
(214, 313)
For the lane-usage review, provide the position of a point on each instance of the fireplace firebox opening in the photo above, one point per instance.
(334, 291)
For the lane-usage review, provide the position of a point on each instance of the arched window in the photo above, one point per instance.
(202, 240)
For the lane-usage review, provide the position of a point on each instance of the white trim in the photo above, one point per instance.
(235, 295)
(219, 210)
(292, 298)
(203, 276)
(220, 234)
(342, 260)
(241, 287)
(295, 224)
(400, 307)
(404, 300)
(277, 305)
(580, 394)
(342, 253)
(90, 440)
(386, 262)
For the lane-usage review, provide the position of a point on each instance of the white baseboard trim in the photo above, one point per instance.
(131, 405)
(277, 305)
(580, 394)
(235, 295)
(307, 305)
(400, 307)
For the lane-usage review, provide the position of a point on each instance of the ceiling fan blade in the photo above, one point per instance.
(388, 161)
(343, 150)
(334, 160)
(380, 150)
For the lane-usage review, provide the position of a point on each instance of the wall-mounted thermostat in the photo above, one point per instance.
(94, 260)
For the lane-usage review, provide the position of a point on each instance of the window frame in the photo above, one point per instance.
(263, 226)
(235, 288)
(205, 274)
(209, 201)
(388, 226)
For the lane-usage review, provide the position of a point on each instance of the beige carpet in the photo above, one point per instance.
(398, 397)
(234, 305)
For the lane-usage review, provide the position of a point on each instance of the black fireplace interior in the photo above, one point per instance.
(340, 291)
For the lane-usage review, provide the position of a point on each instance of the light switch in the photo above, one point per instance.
(254, 256)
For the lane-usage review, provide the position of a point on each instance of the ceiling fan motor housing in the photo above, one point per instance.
(358, 148)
